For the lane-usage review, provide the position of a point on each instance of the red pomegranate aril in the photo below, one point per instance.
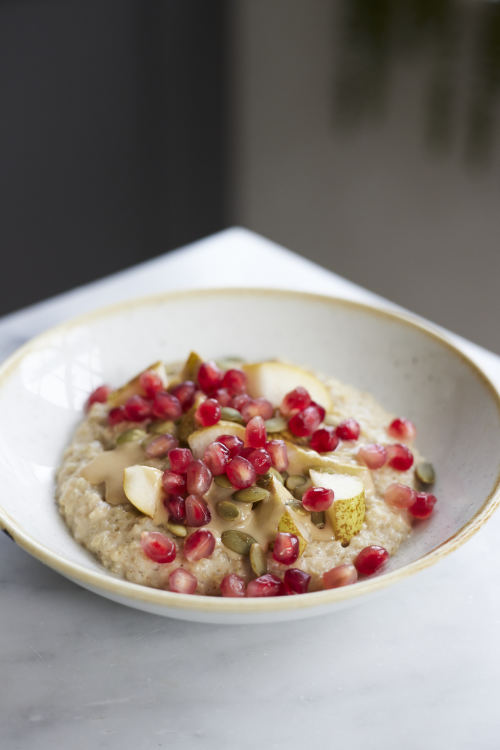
(240, 401)
(137, 409)
(246, 451)
(173, 483)
(240, 472)
(150, 383)
(233, 443)
(98, 396)
(222, 396)
(399, 457)
(255, 433)
(423, 505)
(266, 585)
(209, 377)
(295, 401)
(370, 560)
(116, 415)
(160, 446)
(176, 508)
(296, 581)
(305, 422)
(216, 457)
(402, 429)
(158, 547)
(279, 454)
(166, 406)
(257, 407)
(286, 548)
(180, 458)
(200, 543)
(197, 511)
(208, 412)
(235, 381)
(340, 575)
(349, 429)
(260, 460)
(399, 495)
(321, 410)
(317, 499)
(198, 478)
(324, 440)
(181, 581)
(232, 585)
(373, 455)
(185, 393)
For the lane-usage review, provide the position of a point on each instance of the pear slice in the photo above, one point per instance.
(301, 460)
(277, 514)
(200, 439)
(191, 366)
(292, 522)
(273, 380)
(348, 510)
(142, 486)
(120, 395)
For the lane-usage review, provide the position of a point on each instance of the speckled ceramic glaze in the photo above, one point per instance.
(409, 368)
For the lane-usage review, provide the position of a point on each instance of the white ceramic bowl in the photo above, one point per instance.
(409, 367)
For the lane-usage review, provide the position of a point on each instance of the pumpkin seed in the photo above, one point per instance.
(276, 474)
(318, 518)
(237, 541)
(231, 415)
(294, 481)
(227, 510)
(131, 436)
(251, 495)
(425, 473)
(223, 481)
(258, 560)
(162, 428)
(299, 491)
(177, 529)
(275, 424)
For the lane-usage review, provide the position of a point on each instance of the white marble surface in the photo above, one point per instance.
(417, 667)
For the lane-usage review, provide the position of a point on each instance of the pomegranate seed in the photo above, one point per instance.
(180, 458)
(260, 460)
(166, 406)
(137, 409)
(232, 585)
(209, 377)
(222, 396)
(296, 581)
(184, 393)
(349, 429)
(286, 548)
(423, 505)
(402, 429)
(279, 454)
(176, 507)
(198, 478)
(150, 383)
(373, 455)
(199, 544)
(197, 512)
(98, 396)
(295, 401)
(235, 381)
(304, 422)
(173, 483)
(182, 581)
(245, 452)
(240, 472)
(233, 443)
(255, 433)
(399, 457)
(208, 412)
(160, 445)
(400, 495)
(370, 560)
(317, 498)
(240, 401)
(257, 407)
(266, 585)
(116, 415)
(321, 410)
(158, 547)
(324, 440)
(341, 575)
(217, 457)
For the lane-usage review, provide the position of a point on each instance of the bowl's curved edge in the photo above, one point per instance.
(120, 589)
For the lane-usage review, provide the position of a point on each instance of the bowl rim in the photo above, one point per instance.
(105, 582)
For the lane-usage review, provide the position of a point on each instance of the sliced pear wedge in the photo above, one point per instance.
(301, 460)
(277, 514)
(348, 510)
(142, 486)
(191, 366)
(273, 380)
(120, 395)
(200, 439)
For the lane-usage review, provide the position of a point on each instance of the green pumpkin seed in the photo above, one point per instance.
(162, 428)
(237, 541)
(231, 415)
(318, 518)
(277, 475)
(251, 495)
(177, 529)
(275, 424)
(227, 510)
(258, 560)
(294, 481)
(425, 473)
(223, 481)
(131, 436)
